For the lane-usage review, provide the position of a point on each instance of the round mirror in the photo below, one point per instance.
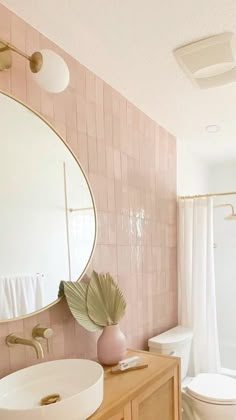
(47, 212)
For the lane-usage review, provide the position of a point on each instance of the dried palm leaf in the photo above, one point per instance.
(105, 302)
(76, 296)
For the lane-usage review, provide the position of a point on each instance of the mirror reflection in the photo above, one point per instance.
(47, 214)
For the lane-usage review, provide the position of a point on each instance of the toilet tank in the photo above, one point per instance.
(174, 342)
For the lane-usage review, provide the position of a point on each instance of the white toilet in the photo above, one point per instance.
(205, 397)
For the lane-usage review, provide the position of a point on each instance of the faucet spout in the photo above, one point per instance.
(12, 340)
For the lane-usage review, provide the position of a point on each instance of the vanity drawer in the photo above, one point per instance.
(159, 401)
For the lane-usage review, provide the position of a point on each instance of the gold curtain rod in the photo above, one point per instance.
(81, 209)
(186, 197)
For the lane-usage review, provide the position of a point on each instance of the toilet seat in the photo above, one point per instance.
(213, 389)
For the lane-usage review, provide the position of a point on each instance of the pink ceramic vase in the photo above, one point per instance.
(111, 345)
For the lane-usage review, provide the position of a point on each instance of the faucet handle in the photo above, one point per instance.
(39, 332)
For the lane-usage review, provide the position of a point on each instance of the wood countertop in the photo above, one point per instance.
(119, 389)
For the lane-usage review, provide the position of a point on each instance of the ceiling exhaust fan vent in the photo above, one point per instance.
(209, 62)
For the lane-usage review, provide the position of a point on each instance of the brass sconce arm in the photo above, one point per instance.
(49, 70)
(35, 60)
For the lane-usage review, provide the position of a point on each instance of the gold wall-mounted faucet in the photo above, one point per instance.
(12, 340)
(40, 333)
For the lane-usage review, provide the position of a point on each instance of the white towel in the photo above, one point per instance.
(21, 295)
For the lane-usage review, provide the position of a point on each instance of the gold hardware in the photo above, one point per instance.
(35, 60)
(82, 209)
(117, 371)
(40, 333)
(187, 197)
(12, 340)
(50, 399)
(5, 57)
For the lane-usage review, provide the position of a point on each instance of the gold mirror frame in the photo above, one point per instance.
(92, 197)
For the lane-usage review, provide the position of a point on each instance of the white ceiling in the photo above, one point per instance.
(129, 44)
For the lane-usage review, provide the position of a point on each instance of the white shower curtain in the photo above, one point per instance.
(197, 299)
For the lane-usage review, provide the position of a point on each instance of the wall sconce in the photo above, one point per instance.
(48, 69)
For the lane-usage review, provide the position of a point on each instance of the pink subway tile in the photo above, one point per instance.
(157, 259)
(18, 78)
(33, 93)
(18, 33)
(57, 344)
(83, 150)
(147, 259)
(71, 111)
(108, 261)
(90, 79)
(136, 144)
(123, 229)
(71, 63)
(131, 165)
(47, 104)
(123, 110)
(58, 108)
(81, 114)
(123, 137)
(91, 119)
(130, 114)
(72, 140)
(31, 40)
(117, 164)
(111, 199)
(115, 103)
(81, 79)
(5, 81)
(92, 154)
(107, 98)
(171, 235)
(171, 144)
(116, 132)
(60, 129)
(103, 231)
(108, 128)
(124, 168)
(102, 157)
(99, 91)
(136, 260)
(6, 18)
(110, 162)
(112, 228)
(100, 121)
(123, 259)
(125, 199)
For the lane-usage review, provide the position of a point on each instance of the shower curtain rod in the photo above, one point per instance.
(186, 197)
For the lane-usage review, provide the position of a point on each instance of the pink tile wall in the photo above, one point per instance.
(131, 164)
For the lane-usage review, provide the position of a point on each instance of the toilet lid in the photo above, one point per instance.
(213, 388)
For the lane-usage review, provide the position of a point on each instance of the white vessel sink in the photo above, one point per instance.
(78, 382)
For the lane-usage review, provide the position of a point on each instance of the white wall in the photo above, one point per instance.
(192, 172)
(222, 178)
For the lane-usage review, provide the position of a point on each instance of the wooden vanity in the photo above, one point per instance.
(152, 393)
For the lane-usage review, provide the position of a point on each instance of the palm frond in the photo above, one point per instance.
(76, 296)
(105, 302)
